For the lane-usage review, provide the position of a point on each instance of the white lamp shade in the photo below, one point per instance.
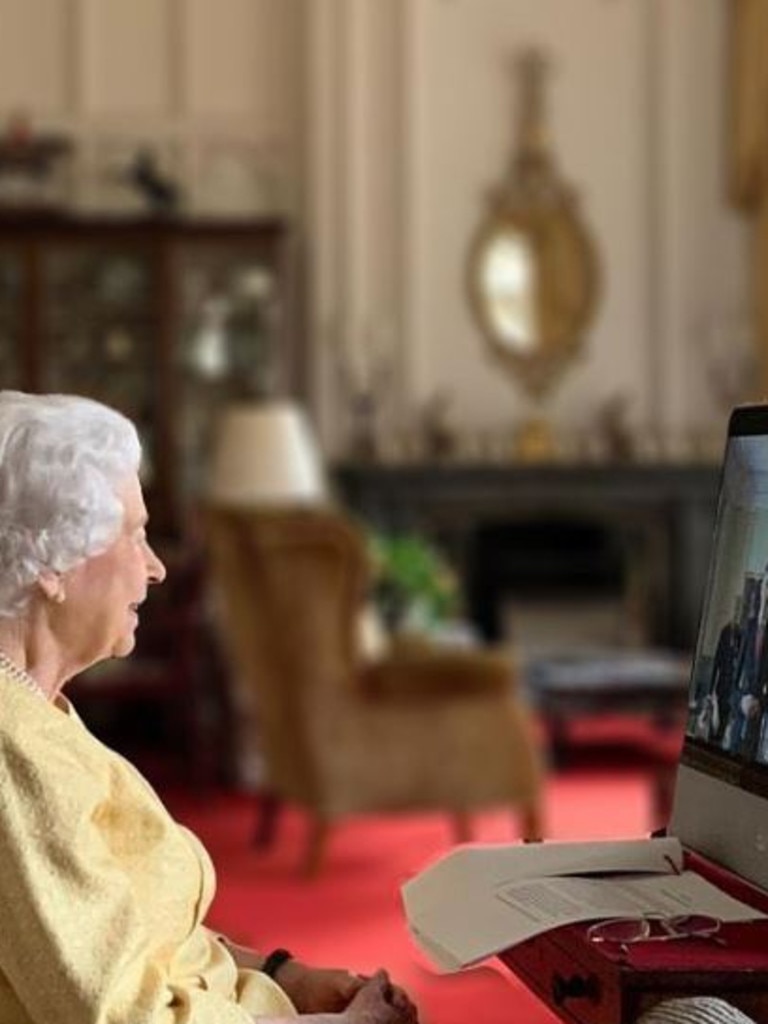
(264, 454)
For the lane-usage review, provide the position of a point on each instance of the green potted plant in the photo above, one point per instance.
(415, 588)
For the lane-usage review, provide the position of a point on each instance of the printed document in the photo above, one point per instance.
(482, 899)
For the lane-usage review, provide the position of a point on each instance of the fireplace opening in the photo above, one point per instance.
(559, 582)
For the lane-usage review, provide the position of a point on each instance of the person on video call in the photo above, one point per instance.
(716, 705)
(755, 693)
(104, 895)
(746, 674)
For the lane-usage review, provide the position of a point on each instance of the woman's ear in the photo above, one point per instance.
(52, 585)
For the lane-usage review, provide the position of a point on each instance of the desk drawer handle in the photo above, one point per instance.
(575, 987)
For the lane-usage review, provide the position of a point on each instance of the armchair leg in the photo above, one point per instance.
(462, 827)
(268, 812)
(532, 824)
(318, 834)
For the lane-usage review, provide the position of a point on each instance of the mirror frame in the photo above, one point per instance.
(539, 368)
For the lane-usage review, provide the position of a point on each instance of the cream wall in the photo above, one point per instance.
(411, 114)
(379, 124)
(217, 87)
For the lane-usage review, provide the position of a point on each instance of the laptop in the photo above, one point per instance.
(720, 807)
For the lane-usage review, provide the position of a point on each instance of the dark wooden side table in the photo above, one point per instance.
(615, 681)
(588, 984)
(646, 682)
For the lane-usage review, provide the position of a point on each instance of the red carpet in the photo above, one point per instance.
(351, 914)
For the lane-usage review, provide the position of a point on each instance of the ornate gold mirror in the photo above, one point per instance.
(533, 277)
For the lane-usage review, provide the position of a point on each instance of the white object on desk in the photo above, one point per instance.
(482, 899)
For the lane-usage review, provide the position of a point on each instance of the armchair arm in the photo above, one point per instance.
(419, 672)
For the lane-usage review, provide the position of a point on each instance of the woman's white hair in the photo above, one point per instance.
(63, 460)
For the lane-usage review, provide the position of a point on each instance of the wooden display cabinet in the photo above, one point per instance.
(165, 319)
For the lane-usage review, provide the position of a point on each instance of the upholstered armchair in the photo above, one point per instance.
(414, 728)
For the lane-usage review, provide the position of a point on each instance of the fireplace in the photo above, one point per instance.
(593, 537)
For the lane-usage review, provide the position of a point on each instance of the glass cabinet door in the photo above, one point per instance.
(228, 343)
(98, 330)
(11, 305)
(165, 320)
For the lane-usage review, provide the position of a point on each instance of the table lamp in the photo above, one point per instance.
(264, 454)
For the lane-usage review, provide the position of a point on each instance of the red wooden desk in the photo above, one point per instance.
(584, 983)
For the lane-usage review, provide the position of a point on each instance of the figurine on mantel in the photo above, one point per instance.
(615, 435)
(438, 425)
(366, 376)
(363, 440)
(535, 441)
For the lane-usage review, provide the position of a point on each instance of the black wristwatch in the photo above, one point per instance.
(275, 960)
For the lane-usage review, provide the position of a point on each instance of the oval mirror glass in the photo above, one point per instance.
(533, 284)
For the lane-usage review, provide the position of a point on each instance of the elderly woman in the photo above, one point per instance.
(103, 895)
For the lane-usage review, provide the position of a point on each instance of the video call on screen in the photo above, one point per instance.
(728, 706)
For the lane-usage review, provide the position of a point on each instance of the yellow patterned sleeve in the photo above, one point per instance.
(78, 940)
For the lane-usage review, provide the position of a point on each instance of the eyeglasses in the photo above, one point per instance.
(623, 932)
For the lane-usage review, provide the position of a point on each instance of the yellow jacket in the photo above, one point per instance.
(102, 893)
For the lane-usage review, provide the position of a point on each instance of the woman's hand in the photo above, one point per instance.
(378, 1001)
(317, 989)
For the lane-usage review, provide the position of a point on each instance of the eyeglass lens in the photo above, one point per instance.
(693, 925)
(641, 929)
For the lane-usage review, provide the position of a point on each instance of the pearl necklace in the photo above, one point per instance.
(20, 675)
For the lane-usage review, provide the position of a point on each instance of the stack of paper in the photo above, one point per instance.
(482, 899)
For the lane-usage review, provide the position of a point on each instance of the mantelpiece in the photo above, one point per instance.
(664, 511)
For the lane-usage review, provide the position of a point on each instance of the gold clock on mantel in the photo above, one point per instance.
(533, 274)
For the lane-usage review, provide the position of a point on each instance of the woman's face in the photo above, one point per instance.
(99, 613)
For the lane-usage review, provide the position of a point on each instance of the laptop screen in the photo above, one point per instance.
(720, 803)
